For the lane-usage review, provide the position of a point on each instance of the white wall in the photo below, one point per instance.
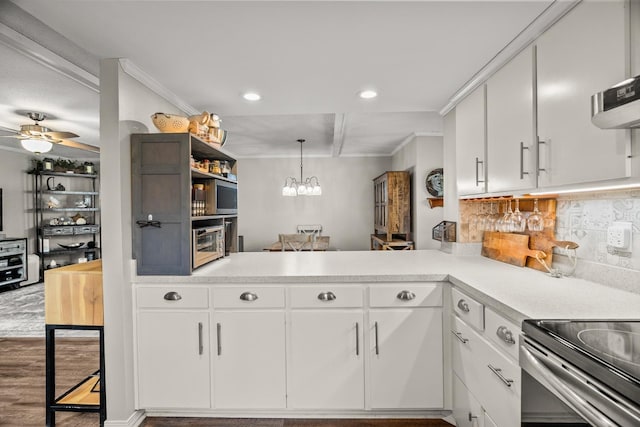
(125, 108)
(345, 208)
(17, 201)
(420, 156)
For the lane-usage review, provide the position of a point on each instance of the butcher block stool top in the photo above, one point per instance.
(73, 295)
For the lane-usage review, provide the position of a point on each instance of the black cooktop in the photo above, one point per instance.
(608, 350)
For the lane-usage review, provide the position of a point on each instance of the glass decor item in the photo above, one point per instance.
(518, 220)
(535, 222)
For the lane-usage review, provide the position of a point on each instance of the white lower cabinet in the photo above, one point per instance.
(405, 347)
(249, 360)
(466, 408)
(173, 359)
(326, 367)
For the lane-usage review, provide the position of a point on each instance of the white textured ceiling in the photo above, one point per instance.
(307, 59)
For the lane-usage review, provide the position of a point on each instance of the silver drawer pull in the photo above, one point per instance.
(200, 341)
(462, 305)
(172, 296)
(326, 296)
(406, 295)
(505, 335)
(460, 337)
(248, 296)
(498, 373)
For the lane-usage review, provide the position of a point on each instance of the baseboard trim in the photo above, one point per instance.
(284, 413)
(133, 421)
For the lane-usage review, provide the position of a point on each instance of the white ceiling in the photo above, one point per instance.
(307, 59)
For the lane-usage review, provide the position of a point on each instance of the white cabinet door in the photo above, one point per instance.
(326, 362)
(466, 409)
(470, 143)
(584, 53)
(511, 151)
(249, 359)
(406, 358)
(173, 359)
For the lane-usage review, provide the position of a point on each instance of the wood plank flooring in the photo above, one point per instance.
(22, 399)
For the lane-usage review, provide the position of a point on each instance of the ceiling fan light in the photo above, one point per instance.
(36, 145)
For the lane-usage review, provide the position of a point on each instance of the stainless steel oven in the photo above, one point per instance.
(580, 371)
(208, 245)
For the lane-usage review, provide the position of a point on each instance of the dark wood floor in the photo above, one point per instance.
(22, 369)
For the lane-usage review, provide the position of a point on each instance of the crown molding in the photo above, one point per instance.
(140, 75)
(543, 22)
(47, 58)
(410, 138)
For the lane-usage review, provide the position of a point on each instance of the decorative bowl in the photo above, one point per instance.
(71, 245)
(170, 123)
(201, 119)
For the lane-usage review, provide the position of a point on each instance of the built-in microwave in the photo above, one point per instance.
(214, 197)
(224, 197)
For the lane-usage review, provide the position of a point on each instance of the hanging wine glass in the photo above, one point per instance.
(518, 221)
(505, 221)
(490, 222)
(535, 222)
(474, 220)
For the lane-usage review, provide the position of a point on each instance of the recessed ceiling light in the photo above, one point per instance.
(368, 94)
(251, 96)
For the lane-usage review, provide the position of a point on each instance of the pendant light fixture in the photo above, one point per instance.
(307, 187)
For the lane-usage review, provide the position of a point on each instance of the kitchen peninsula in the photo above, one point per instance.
(253, 334)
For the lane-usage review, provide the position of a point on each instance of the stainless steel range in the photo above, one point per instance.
(593, 367)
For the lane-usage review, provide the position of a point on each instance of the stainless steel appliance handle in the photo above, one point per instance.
(498, 373)
(577, 402)
(522, 171)
(460, 337)
(326, 296)
(462, 305)
(219, 337)
(200, 342)
(406, 295)
(248, 296)
(357, 339)
(375, 327)
(505, 335)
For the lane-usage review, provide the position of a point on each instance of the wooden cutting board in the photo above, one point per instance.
(545, 241)
(508, 247)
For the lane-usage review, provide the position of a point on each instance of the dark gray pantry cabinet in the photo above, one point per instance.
(161, 180)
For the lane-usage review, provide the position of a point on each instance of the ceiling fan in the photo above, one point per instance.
(40, 139)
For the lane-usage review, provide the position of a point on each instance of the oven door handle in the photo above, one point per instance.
(578, 403)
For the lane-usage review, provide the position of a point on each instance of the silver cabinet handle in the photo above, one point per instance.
(505, 335)
(522, 148)
(326, 296)
(200, 342)
(357, 339)
(478, 163)
(375, 327)
(172, 296)
(498, 373)
(248, 296)
(471, 417)
(406, 295)
(460, 337)
(538, 168)
(219, 337)
(462, 305)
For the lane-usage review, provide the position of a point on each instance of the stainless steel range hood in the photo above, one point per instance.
(617, 107)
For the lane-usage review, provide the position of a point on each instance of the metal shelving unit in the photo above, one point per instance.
(81, 186)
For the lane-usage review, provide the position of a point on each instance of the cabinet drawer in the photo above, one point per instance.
(57, 231)
(172, 297)
(248, 297)
(502, 332)
(466, 347)
(468, 309)
(405, 295)
(329, 296)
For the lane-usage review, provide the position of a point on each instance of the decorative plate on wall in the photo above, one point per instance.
(434, 183)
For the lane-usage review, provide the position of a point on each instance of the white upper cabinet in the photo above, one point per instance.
(584, 53)
(510, 126)
(470, 144)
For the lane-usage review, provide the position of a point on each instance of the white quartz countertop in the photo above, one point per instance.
(516, 292)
